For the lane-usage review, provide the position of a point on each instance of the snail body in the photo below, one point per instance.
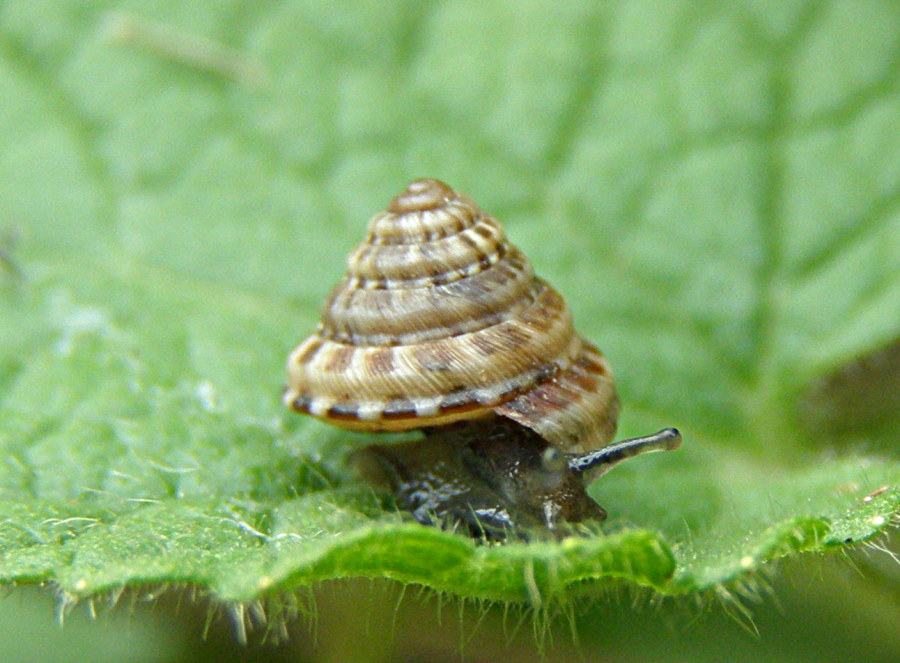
(440, 324)
(493, 477)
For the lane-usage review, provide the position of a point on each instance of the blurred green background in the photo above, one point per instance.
(612, 123)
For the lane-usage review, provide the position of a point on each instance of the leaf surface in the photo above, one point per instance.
(715, 191)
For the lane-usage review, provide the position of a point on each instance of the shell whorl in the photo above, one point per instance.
(440, 318)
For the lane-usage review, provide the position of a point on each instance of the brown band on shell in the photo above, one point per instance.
(381, 361)
(483, 231)
(398, 408)
(400, 413)
(415, 265)
(576, 410)
(426, 372)
(595, 362)
(407, 316)
(344, 412)
(339, 359)
(423, 225)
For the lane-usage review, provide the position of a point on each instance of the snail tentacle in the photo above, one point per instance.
(594, 464)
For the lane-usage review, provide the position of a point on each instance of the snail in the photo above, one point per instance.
(440, 325)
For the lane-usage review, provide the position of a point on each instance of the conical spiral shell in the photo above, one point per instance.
(439, 318)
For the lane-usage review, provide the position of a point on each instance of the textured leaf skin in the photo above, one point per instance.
(714, 191)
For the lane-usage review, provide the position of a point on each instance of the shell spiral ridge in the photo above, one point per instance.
(440, 318)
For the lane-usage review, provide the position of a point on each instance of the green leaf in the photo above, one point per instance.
(715, 191)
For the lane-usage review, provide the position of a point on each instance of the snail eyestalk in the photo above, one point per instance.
(594, 464)
(553, 460)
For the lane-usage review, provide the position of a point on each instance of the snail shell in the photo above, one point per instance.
(440, 318)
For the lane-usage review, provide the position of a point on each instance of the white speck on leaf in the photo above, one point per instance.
(206, 394)
(80, 321)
